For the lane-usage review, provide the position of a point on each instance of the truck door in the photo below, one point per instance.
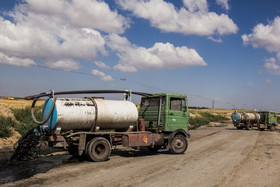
(177, 115)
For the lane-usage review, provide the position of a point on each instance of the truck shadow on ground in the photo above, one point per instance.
(142, 152)
(254, 129)
(14, 171)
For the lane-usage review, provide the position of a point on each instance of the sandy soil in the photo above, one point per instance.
(217, 156)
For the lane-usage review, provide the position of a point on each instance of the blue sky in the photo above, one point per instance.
(222, 50)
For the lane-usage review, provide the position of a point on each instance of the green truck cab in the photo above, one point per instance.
(165, 112)
(268, 119)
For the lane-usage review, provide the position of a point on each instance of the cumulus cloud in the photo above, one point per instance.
(194, 18)
(102, 75)
(223, 3)
(102, 65)
(265, 36)
(161, 55)
(64, 64)
(14, 61)
(272, 66)
(58, 29)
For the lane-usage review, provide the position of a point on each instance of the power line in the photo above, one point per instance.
(147, 86)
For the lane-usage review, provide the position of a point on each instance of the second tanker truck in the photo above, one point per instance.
(261, 119)
(92, 126)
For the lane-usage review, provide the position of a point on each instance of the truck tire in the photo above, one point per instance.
(249, 126)
(98, 149)
(178, 145)
(272, 127)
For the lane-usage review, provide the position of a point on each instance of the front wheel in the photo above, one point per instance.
(98, 149)
(178, 145)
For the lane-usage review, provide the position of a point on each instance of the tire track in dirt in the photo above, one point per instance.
(214, 159)
(261, 167)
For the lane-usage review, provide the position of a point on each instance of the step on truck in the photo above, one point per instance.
(260, 119)
(91, 126)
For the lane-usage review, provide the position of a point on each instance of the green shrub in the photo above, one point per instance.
(5, 126)
(205, 119)
(25, 120)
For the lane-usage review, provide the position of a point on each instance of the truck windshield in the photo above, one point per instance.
(152, 102)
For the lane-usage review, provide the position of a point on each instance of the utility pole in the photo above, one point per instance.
(213, 103)
(123, 79)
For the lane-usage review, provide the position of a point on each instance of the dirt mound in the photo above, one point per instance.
(9, 142)
(195, 115)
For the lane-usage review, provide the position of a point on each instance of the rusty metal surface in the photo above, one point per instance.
(135, 140)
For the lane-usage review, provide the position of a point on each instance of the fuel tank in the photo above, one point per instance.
(90, 115)
(245, 117)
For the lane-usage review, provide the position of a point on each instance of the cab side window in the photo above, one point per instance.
(177, 104)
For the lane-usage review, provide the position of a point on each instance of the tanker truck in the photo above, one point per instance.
(262, 120)
(91, 126)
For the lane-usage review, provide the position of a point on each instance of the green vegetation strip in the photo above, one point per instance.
(205, 119)
(23, 122)
(5, 126)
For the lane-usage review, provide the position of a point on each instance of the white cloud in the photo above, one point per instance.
(223, 3)
(265, 36)
(14, 61)
(58, 29)
(125, 67)
(161, 55)
(196, 5)
(272, 66)
(268, 81)
(217, 40)
(194, 19)
(101, 75)
(80, 14)
(64, 64)
(249, 84)
(102, 65)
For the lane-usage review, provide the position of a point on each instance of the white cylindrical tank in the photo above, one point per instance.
(86, 114)
(252, 116)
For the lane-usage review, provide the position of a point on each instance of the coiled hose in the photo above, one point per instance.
(49, 115)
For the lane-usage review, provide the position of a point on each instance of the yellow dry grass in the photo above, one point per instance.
(21, 103)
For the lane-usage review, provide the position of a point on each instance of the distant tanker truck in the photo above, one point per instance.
(92, 126)
(262, 120)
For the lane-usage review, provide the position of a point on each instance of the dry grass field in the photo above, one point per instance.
(21, 103)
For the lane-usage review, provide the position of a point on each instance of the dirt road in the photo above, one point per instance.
(217, 156)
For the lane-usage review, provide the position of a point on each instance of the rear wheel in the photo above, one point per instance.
(98, 149)
(272, 127)
(249, 126)
(178, 144)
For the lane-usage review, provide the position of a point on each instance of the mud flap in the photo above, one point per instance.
(82, 144)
